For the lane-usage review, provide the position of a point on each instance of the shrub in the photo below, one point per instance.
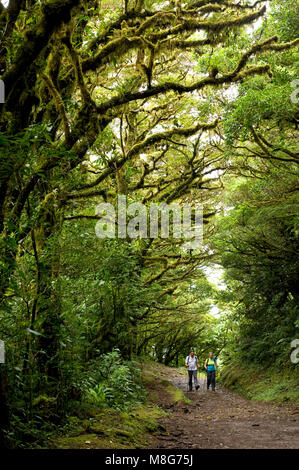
(115, 383)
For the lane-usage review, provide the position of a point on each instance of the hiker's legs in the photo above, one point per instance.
(190, 372)
(213, 376)
(195, 379)
(208, 379)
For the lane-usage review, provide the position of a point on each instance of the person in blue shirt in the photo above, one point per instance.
(211, 366)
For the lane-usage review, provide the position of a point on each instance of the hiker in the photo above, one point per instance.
(192, 363)
(211, 366)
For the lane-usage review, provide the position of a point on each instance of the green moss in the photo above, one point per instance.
(148, 379)
(258, 384)
(86, 441)
(112, 429)
(177, 395)
(151, 374)
(43, 400)
(76, 426)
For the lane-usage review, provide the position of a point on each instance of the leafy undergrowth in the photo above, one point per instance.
(91, 428)
(262, 385)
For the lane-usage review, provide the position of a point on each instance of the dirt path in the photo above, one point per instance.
(223, 419)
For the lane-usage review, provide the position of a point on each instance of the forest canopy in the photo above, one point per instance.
(163, 102)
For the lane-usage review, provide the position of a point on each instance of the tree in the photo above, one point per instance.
(101, 100)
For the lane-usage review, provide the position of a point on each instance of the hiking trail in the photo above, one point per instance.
(224, 420)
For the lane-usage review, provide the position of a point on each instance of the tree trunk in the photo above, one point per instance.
(48, 305)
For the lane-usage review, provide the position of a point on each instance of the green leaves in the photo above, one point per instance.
(33, 332)
(258, 245)
(119, 386)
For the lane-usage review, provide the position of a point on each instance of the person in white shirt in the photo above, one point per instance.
(192, 364)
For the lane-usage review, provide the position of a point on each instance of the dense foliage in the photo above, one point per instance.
(163, 102)
(258, 234)
(259, 244)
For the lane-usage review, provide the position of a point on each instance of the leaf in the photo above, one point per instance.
(33, 332)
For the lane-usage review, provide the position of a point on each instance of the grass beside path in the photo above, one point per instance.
(91, 428)
(262, 385)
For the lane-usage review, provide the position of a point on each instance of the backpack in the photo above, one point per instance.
(195, 357)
